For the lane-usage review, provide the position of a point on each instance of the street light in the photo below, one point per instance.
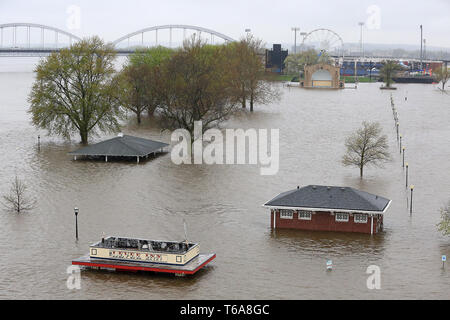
(403, 165)
(410, 206)
(76, 222)
(361, 50)
(407, 166)
(303, 34)
(295, 29)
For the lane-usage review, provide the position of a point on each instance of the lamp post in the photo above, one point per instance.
(76, 222)
(303, 34)
(295, 29)
(397, 124)
(410, 206)
(407, 166)
(361, 48)
(421, 51)
(400, 143)
(403, 165)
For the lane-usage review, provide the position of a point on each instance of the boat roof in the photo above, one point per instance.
(330, 198)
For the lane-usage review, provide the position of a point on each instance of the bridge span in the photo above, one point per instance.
(31, 39)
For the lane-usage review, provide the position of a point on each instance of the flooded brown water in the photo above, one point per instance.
(222, 204)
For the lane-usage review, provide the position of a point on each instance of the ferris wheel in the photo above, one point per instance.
(324, 40)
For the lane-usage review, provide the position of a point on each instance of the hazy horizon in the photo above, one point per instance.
(386, 22)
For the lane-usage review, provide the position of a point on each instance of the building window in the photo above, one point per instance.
(93, 252)
(360, 218)
(341, 217)
(179, 259)
(304, 215)
(286, 214)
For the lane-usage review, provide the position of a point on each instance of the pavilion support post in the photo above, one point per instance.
(371, 224)
(74, 157)
(137, 159)
(106, 158)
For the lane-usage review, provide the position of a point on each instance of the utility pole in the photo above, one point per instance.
(421, 48)
(424, 49)
(361, 47)
(361, 53)
(295, 29)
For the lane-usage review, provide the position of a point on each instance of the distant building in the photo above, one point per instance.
(275, 59)
(325, 208)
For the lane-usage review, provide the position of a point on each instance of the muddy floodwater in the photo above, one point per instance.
(222, 204)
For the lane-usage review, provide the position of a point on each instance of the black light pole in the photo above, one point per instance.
(407, 166)
(76, 222)
(403, 165)
(410, 206)
(421, 52)
(400, 143)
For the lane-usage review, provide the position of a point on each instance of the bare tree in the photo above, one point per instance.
(17, 200)
(366, 146)
(444, 224)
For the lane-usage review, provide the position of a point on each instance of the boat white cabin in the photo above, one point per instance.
(142, 250)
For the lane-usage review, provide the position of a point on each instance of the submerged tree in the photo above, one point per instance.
(135, 93)
(197, 87)
(366, 146)
(444, 224)
(140, 80)
(17, 199)
(442, 75)
(248, 72)
(388, 70)
(75, 91)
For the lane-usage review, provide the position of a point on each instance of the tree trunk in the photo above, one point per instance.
(138, 117)
(251, 103)
(361, 171)
(84, 136)
(243, 97)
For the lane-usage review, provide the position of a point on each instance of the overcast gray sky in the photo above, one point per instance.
(389, 21)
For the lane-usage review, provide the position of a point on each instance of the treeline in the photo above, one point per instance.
(78, 90)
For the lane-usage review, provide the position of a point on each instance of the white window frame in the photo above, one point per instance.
(357, 218)
(308, 213)
(337, 214)
(286, 214)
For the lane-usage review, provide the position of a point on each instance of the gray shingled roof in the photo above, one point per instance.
(325, 197)
(121, 146)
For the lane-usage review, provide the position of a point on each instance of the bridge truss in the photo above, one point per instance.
(23, 37)
(136, 39)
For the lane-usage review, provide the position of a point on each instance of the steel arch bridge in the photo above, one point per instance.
(29, 27)
(200, 30)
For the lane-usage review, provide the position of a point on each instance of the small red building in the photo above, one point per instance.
(325, 208)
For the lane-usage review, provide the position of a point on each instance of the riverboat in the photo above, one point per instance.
(123, 253)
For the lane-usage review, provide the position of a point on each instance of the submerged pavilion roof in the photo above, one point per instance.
(121, 146)
(330, 198)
